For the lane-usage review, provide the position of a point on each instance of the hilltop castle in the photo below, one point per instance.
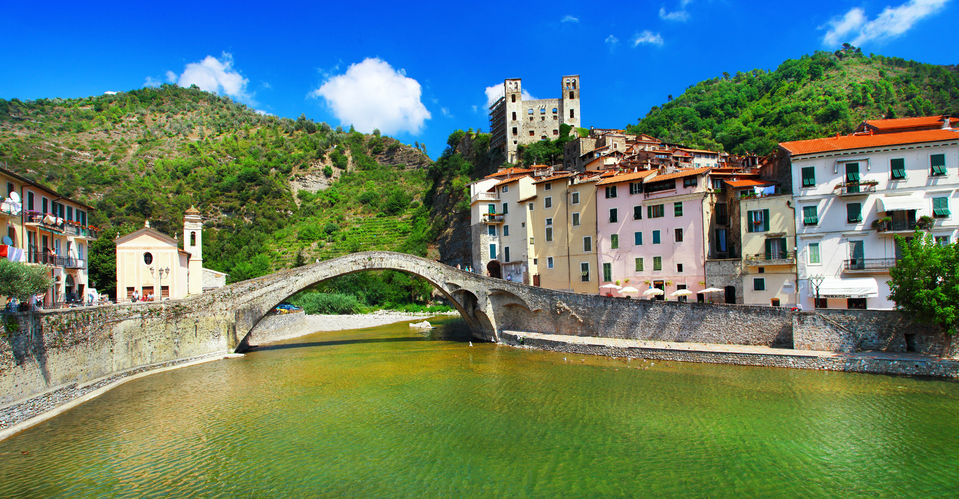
(514, 121)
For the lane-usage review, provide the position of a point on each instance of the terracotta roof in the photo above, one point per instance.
(508, 172)
(626, 177)
(899, 123)
(147, 230)
(701, 150)
(681, 174)
(862, 141)
(556, 176)
(192, 211)
(507, 181)
(746, 183)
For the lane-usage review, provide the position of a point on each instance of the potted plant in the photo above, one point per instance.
(925, 222)
(882, 224)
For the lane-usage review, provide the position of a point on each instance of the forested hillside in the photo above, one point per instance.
(275, 192)
(813, 96)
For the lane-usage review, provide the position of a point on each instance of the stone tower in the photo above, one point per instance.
(193, 244)
(570, 101)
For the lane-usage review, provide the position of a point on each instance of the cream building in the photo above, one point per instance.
(768, 235)
(152, 264)
(564, 233)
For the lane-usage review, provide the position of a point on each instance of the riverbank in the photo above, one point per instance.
(904, 364)
(22, 414)
(281, 327)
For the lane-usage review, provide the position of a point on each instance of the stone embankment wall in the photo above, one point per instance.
(47, 350)
(868, 331)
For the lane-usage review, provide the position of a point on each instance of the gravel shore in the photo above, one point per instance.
(287, 326)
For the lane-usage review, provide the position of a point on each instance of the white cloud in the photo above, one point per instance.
(371, 94)
(611, 40)
(570, 19)
(680, 15)
(216, 76)
(150, 82)
(262, 112)
(495, 91)
(890, 23)
(446, 112)
(648, 37)
(171, 77)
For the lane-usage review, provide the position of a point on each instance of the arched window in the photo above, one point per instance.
(148, 258)
(192, 238)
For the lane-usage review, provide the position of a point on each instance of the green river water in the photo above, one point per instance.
(390, 412)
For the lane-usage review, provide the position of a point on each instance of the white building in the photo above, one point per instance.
(499, 219)
(853, 194)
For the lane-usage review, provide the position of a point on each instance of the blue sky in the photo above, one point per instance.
(421, 70)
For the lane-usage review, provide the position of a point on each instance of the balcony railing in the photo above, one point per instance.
(68, 228)
(486, 196)
(908, 225)
(868, 264)
(493, 218)
(856, 188)
(70, 263)
(775, 258)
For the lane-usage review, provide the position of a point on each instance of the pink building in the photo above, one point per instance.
(651, 230)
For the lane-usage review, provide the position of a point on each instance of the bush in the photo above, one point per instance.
(314, 302)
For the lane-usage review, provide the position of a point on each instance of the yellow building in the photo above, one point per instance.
(41, 227)
(768, 233)
(151, 264)
(563, 222)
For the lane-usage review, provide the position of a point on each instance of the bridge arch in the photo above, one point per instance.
(455, 285)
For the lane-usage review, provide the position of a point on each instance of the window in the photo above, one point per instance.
(531, 132)
(635, 188)
(679, 269)
(587, 244)
(505, 230)
(30, 201)
(548, 202)
(809, 215)
(572, 114)
(147, 257)
(614, 241)
(897, 168)
(809, 176)
(655, 211)
(656, 239)
(657, 263)
(530, 205)
(638, 238)
(575, 219)
(940, 207)
(610, 191)
(529, 111)
(719, 185)
(549, 262)
(548, 186)
(505, 208)
(574, 198)
(192, 238)
(549, 234)
(607, 272)
(637, 212)
(721, 240)
(70, 213)
(759, 283)
(542, 110)
(513, 98)
(776, 248)
(491, 209)
(506, 254)
(505, 188)
(584, 271)
(613, 215)
(514, 119)
(938, 164)
(639, 264)
(854, 212)
(722, 214)
(852, 173)
(43, 204)
(757, 220)
(679, 235)
(678, 209)
(942, 240)
(492, 252)
(491, 230)
(555, 111)
(689, 182)
(813, 252)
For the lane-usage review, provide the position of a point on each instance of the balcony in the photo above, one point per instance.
(852, 189)
(70, 262)
(896, 225)
(485, 196)
(492, 218)
(48, 221)
(866, 265)
(775, 258)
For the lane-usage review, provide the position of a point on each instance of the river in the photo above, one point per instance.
(391, 412)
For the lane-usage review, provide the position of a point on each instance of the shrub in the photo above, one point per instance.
(314, 302)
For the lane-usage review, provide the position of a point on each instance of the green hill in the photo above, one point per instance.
(275, 192)
(813, 96)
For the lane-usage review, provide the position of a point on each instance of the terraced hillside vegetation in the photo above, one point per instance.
(813, 96)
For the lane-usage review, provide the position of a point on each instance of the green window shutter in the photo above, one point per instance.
(614, 241)
(639, 265)
(809, 215)
(750, 226)
(607, 272)
(655, 237)
(940, 207)
(678, 209)
(898, 168)
(765, 220)
(854, 212)
(809, 176)
(638, 238)
(657, 263)
(938, 163)
(852, 172)
(769, 249)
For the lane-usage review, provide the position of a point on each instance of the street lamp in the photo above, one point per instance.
(816, 281)
(158, 274)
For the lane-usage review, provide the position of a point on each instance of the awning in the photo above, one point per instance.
(864, 287)
(893, 203)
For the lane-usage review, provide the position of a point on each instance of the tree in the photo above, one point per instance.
(21, 281)
(925, 282)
